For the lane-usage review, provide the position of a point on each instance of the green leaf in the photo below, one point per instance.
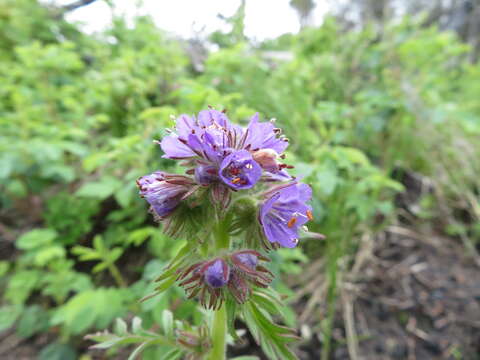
(47, 254)
(100, 189)
(34, 319)
(57, 351)
(136, 325)
(231, 307)
(120, 327)
(21, 284)
(137, 351)
(4, 266)
(8, 315)
(167, 323)
(172, 354)
(36, 238)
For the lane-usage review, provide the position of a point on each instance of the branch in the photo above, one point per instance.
(77, 4)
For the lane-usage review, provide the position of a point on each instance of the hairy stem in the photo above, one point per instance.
(219, 335)
(222, 236)
(219, 326)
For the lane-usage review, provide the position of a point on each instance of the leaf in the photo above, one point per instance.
(136, 325)
(36, 238)
(137, 351)
(137, 237)
(21, 284)
(231, 307)
(114, 254)
(4, 266)
(34, 319)
(90, 308)
(8, 315)
(326, 180)
(45, 255)
(121, 327)
(172, 354)
(99, 189)
(167, 323)
(57, 351)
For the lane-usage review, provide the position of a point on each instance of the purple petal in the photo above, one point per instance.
(211, 117)
(185, 125)
(217, 274)
(206, 174)
(175, 149)
(262, 136)
(248, 260)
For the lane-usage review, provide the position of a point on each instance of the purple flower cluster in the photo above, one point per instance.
(226, 158)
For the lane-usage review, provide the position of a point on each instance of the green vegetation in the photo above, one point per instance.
(78, 115)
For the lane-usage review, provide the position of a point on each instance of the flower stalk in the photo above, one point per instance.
(219, 334)
(219, 325)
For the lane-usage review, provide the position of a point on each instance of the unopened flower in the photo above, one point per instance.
(247, 272)
(207, 280)
(217, 273)
(284, 212)
(165, 191)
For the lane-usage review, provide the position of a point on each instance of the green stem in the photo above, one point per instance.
(117, 276)
(219, 335)
(222, 237)
(219, 326)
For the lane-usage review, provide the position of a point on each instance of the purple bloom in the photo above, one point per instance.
(210, 139)
(164, 191)
(239, 171)
(284, 212)
(217, 274)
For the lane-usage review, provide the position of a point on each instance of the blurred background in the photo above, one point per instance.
(380, 100)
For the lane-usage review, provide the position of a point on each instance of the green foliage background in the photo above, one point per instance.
(78, 115)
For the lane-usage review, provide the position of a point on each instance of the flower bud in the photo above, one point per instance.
(217, 274)
(267, 158)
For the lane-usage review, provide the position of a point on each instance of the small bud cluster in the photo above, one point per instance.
(235, 273)
(227, 163)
